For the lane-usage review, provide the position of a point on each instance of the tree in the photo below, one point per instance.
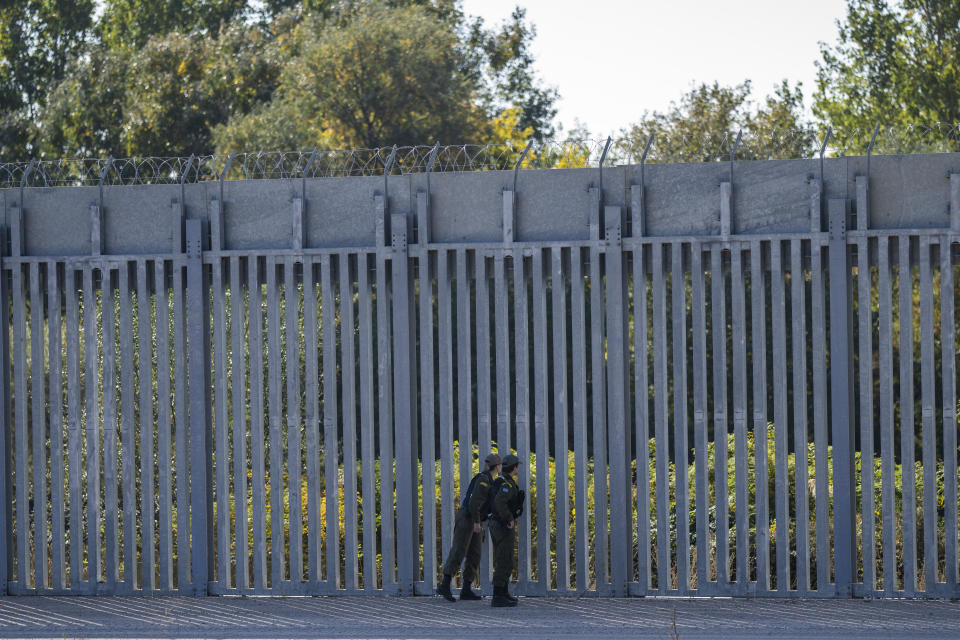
(38, 38)
(703, 126)
(375, 74)
(131, 23)
(894, 65)
(164, 99)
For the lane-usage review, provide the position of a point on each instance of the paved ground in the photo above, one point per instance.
(360, 617)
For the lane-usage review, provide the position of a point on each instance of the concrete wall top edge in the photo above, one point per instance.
(769, 197)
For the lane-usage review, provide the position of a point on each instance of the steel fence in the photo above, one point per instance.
(764, 404)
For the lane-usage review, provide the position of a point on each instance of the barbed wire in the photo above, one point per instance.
(648, 146)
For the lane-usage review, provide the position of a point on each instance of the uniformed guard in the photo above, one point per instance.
(507, 507)
(468, 532)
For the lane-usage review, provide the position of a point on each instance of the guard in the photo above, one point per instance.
(507, 507)
(468, 532)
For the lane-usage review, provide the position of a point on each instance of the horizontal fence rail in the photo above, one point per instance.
(746, 387)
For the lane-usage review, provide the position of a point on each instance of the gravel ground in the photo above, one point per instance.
(383, 617)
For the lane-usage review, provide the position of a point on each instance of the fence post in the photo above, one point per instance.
(621, 520)
(405, 423)
(841, 401)
(198, 380)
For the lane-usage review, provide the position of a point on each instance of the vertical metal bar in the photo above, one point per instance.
(699, 324)
(164, 427)
(74, 435)
(841, 403)
(275, 441)
(621, 511)
(798, 307)
(579, 357)
(721, 420)
(111, 537)
(865, 331)
(221, 426)
(180, 427)
(385, 400)
(522, 368)
(55, 340)
(238, 387)
(367, 443)
(201, 505)
(907, 453)
(598, 390)
(819, 355)
(948, 334)
(464, 372)
(328, 310)
(39, 432)
(349, 421)
(681, 451)
(291, 295)
(311, 421)
(258, 471)
(886, 397)
(428, 457)
(739, 355)
(541, 418)
(20, 437)
(558, 298)
(92, 426)
(929, 433)
(642, 412)
(445, 365)
(863, 202)
(780, 414)
(128, 431)
(484, 426)
(502, 351)
(145, 365)
(405, 418)
(661, 399)
(759, 359)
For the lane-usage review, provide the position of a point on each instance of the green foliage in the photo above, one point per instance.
(697, 128)
(129, 24)
(163, 99)
(895, 63)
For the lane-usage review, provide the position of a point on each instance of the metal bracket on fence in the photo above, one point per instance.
(216, 216)
(423, 202)
(863, 189)
(509, 201)
(16, 217)
(183, 178)
(638, 197)
(603, 157)
(733, 152)
(816, 191)
(955, 202)
(303, 177)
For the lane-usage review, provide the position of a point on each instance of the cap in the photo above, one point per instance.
(510, 460)
(492, 460)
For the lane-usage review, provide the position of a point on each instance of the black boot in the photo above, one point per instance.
(444, 588)
(501, 598)
(513, 599)
(466, 593)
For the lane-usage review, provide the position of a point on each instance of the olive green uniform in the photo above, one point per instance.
(466, 543)
(503, 535)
